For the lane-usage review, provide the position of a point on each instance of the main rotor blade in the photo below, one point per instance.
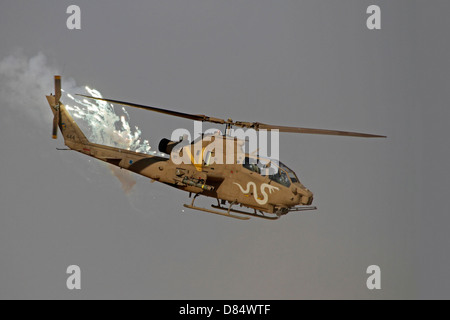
(196, 117)
(253, 125)
(317, 131)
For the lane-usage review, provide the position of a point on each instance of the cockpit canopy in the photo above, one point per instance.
(275, 170)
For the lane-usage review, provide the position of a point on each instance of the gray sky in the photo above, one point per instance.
(300, 63)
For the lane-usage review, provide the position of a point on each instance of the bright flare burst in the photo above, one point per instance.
(104, 125)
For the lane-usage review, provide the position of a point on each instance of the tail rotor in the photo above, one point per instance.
(57, 116)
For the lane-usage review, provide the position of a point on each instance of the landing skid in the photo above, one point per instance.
(249, 214)
(246, 213)
(191, 206)
(216, 212)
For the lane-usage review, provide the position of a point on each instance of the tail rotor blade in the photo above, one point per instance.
(55, 125)
(57, 89)
(56, 118)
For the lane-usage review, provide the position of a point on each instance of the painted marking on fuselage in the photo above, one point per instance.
(264, 186)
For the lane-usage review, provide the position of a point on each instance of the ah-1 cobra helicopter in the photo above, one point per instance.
(239, 183)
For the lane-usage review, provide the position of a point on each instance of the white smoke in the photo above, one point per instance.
(24, 82)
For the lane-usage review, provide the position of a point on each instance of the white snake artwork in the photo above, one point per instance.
(255, 193)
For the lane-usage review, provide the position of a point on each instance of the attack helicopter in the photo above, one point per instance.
(265, 188)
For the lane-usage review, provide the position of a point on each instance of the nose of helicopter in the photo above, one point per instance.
(303, 196)
(307, 200)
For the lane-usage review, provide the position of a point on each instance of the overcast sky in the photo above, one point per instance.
(297, 63)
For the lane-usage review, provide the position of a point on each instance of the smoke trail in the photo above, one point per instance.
(25, 82)
(125, 177)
